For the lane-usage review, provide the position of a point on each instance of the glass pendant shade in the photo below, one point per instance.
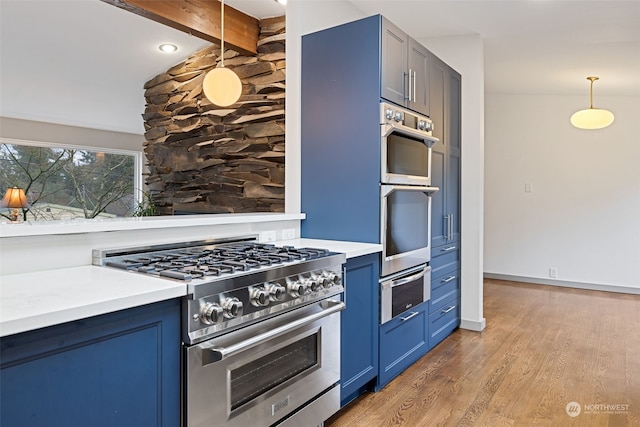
(592, 118)
(222, 86)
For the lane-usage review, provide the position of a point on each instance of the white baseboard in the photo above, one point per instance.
(473, 325)
(563, 283)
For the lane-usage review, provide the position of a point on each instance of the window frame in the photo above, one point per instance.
(138, 158)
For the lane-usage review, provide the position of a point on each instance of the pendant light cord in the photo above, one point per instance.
(592, 79)
(222, 34)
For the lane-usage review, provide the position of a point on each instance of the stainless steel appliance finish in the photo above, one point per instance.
(400, 292)
(264, 372)
(260, 328)
(406, 141)
(405, 229)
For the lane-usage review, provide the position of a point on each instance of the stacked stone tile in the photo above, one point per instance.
(202, 158)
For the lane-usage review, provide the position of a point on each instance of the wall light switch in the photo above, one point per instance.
(528, 188)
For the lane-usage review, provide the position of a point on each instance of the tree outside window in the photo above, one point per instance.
(71, 182)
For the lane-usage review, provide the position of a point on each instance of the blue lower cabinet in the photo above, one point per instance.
(119, 369)
(359, 328)
(444, 321)
(403, 340)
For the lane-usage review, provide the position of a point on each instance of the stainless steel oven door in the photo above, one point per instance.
(260, 374)
(405, 226)
(403, 291)
(405, 147)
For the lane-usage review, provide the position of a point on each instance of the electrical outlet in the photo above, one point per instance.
(288, 233)
(268, 236)
(528, 188)
(553, 272)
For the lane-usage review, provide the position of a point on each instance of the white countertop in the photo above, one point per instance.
(351, 249)
(36, 300)
(43, 228)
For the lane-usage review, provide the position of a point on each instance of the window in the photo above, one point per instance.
(66, 182)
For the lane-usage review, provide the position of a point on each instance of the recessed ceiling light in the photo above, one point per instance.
(168, 47)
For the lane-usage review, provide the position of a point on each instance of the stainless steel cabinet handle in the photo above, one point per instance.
(450, 233)
(450, 248)
(407, 94)
(448, 279)
(413, 314)
(414, 86)
(446, 227)
(445, 311)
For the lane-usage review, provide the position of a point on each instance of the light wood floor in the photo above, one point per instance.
(543, 348)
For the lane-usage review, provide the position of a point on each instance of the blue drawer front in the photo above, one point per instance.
(444, 321)
(444, 289)
(445, 258)
(402, 342)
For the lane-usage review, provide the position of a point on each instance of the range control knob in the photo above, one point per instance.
(232, 307)
(422, 125)
(388, 113)
(298, 289)
(428, 127)
(211, 313)
(259, 297)
(398, 116)
(314, 284)
(332, 279)
(324, 281)
(277, 292)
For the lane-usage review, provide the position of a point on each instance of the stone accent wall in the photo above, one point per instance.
(206, 159)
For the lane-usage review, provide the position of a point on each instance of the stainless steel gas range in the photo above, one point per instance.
(260, 328)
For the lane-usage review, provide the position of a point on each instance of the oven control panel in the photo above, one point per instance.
(226, 310)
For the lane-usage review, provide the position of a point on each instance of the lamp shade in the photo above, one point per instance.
(222, 86)
(14, 198)
(592, 118)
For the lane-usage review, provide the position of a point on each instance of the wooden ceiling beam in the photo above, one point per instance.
(200, 18)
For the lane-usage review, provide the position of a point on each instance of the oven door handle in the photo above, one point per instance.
(390, 128)
(387, 189)
(213, 353)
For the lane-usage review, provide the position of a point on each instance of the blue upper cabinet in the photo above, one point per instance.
(119, 369)
(405, 69)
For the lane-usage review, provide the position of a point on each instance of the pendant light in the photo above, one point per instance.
(222, 86)
(592, 118)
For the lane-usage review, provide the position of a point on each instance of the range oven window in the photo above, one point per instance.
(407, 156)
(407, 222)
(261, 375)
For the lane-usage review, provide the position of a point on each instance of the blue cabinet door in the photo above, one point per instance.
(403, 340)
(119, 369)
(359, 327)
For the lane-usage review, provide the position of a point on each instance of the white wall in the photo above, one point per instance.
(583, 214)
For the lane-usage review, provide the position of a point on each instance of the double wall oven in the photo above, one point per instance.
(405, 204)
(260, 328)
